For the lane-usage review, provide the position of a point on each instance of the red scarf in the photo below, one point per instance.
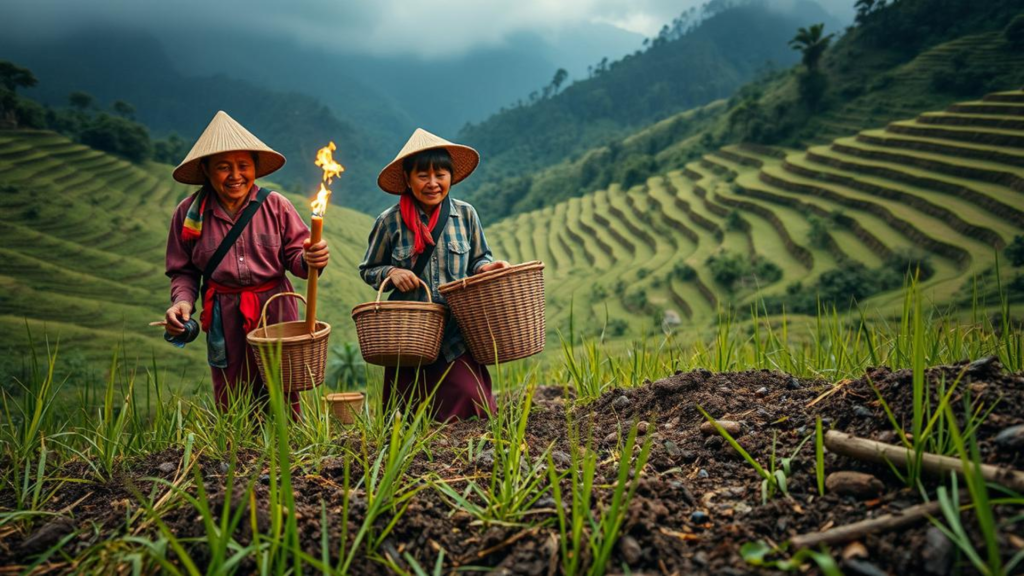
(410, 215)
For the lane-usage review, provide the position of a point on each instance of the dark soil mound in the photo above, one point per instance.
(698, 502)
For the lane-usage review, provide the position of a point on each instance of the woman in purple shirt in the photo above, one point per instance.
(225, 161)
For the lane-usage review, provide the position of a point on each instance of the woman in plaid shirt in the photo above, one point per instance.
(422, 174)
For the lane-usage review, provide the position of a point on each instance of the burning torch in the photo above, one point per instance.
(325, 160)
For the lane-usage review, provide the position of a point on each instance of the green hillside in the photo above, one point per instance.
(901, 59)
(945, 190)
(82, 242)
(675, 73)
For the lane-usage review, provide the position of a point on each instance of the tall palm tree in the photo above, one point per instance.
(813, 43)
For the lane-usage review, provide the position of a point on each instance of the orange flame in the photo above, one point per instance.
(320, 204)
(325, 160)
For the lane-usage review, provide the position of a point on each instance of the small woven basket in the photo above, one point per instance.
(400, 333)
(346, 405)
(500, 312)
(303, 354)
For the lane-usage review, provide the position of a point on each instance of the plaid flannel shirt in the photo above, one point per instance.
(460, 252)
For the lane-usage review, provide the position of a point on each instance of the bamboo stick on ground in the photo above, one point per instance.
(860, 529)
(880, 452)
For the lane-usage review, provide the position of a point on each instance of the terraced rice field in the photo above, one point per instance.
(948, 184)
(82, 242)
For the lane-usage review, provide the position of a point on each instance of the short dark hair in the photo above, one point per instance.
(205, 160)
(436, 158)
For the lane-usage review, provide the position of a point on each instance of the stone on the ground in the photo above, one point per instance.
(641, 428)
(485, 459)
(854, 550)
(621, 402)
(982, 364)
(561, 458)
(1011, 438)
(167, 467)
(938, 553)
(856, 484)
(47, 536)
(730, 426)
(630, 549)
(863, 411)
(699, 517)
(862, 567)
(672, 449)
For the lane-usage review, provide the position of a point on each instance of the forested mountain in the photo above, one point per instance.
(297, 96)
(705, 63)
(168, 101)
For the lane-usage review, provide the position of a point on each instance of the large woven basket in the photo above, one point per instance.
(500, 312)
(400, 333)
(303, 354)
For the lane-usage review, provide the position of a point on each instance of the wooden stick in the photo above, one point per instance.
(315, 232)
(860, 529)
(880, 452)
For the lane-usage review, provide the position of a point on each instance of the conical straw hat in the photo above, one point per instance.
(464, 160)
(224, 134)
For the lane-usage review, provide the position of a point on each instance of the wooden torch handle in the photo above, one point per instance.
(315, 233)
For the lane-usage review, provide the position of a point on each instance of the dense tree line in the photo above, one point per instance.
(114, 130)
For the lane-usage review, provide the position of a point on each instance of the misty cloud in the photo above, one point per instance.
(436, 29)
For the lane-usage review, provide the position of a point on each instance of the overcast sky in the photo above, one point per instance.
(436, 28)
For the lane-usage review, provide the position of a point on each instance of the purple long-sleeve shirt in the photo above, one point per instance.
(268, 247)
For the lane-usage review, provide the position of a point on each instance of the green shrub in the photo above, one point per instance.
(684, 271)
(1015, 251)
(173, 149)
(735, 222)
(118, 136)
(636, 300)
(765, 271)
(909, 262)
(616, 327)
(727, 268)
(818, 234)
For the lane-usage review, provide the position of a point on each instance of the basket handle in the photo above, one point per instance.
(263, 316)
(380, 291)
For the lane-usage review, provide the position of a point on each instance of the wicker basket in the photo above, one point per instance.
(303, 355)
(500, 312)
(345, 405)
(400, 333)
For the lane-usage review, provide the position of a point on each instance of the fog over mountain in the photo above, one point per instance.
(378, 69)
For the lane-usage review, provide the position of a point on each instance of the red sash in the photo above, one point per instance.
(249, 304)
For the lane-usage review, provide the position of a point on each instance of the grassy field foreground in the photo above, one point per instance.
(599, 464)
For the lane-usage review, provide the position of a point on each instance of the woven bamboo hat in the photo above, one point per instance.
(464, 160)
(224, 134)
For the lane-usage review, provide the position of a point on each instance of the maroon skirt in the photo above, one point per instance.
(464, 392)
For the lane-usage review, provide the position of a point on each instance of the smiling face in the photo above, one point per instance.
(231, 174)
(430, 186)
